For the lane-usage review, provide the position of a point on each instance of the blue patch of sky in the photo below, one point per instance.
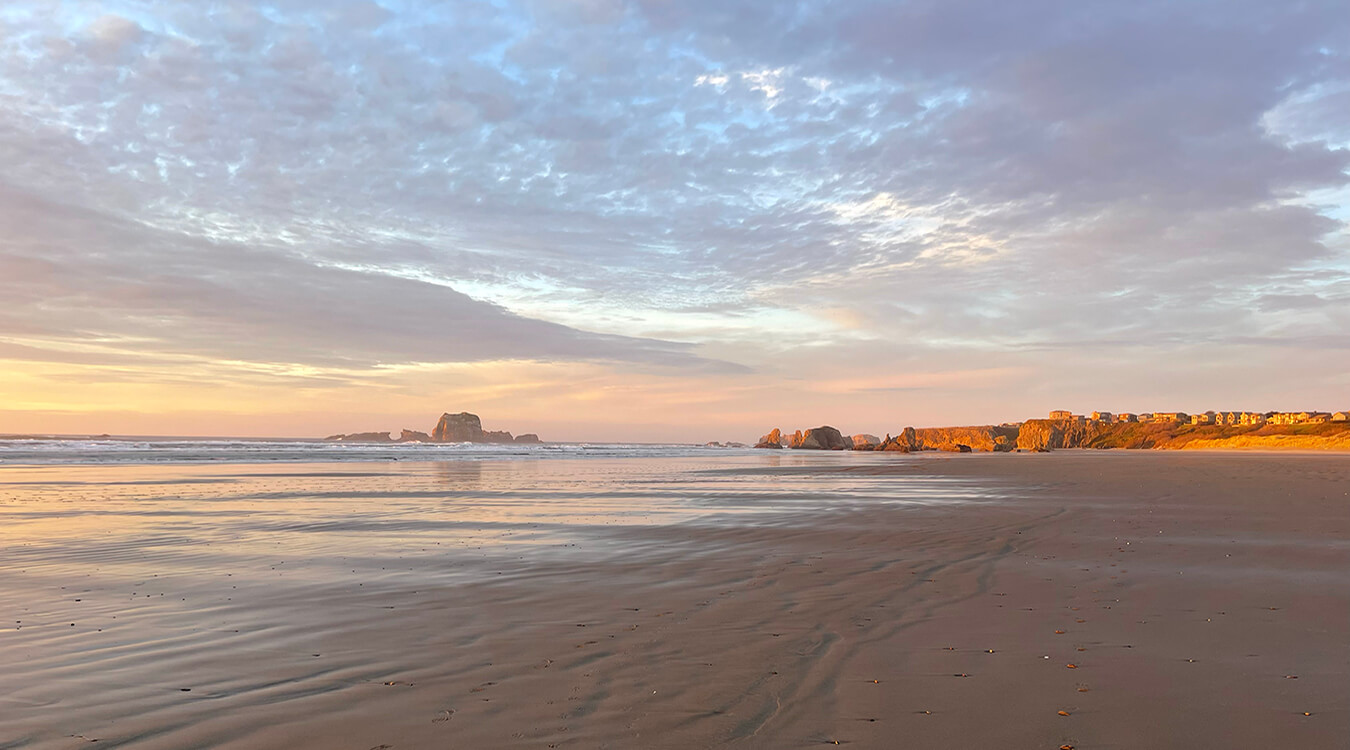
(412, 16)
(957, 95)
(272, 14)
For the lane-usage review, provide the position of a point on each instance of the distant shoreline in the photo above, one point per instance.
(1053, 434)
(1029, 436)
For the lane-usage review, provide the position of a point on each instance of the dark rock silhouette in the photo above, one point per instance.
(458, 428)
(362, 437)
(824, 438)
(452, 428)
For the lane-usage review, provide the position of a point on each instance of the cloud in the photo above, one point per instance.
(102, 289)
(644, 182)
(113, 32)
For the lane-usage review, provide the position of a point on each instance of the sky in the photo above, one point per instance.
(667, 219)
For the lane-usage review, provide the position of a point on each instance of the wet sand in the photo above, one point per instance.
(1095, 600)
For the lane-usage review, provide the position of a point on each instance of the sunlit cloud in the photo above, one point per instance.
(670, 199)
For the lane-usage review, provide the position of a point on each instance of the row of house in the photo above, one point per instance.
(1242, 418)
(1106, 417)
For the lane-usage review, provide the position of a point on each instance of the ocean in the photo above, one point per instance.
(130, 450)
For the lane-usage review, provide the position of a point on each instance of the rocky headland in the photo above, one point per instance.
(1042, 435)
(451, 428)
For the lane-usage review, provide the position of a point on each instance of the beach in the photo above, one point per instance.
(1119, 599)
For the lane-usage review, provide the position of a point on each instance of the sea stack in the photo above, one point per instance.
(458, 428)
(824, 438)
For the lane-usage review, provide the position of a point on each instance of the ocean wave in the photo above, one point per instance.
(83, 451)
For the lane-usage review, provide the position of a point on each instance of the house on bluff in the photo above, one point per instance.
(1299, 417)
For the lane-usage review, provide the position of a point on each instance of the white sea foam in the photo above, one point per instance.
(191, 451)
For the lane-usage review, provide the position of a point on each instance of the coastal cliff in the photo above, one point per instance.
(1049, 434)
(979, 438)
(1053, 434)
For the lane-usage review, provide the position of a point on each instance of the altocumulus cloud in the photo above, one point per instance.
(649, 182)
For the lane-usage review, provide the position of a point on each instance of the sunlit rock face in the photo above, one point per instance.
(980, 438)
(772, 440)
(905, 442)
(1040, 435)
(414, 436)
(1048, 435)
(865, 442)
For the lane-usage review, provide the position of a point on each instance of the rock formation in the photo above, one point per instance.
(1052, 434)
(772, 440)
(1049, 434)
(452, 428)
(468, 428)
(1040, 435)
(458, 428)
(1080, 434)
(865, 442)
(362, 437)
(911, 438)
(822, 438)
(980, 438)
(902, 443)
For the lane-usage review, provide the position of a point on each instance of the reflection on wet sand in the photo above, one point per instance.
(768, 600)
(463, 475)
